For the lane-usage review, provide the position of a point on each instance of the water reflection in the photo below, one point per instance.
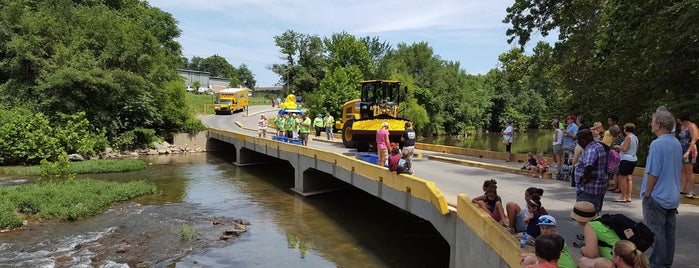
(525, 141)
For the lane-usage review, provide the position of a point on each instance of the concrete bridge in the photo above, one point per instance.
(475, 240)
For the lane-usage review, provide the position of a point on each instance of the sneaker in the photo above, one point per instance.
(689, 195)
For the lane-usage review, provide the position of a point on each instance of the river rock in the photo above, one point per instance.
(75, 158)
(121, 249)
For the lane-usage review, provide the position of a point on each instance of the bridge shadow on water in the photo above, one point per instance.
(342, 223)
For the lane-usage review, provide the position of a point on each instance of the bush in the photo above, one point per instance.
(134, 139)
(65, 200)
(27, 137)
(56, 171)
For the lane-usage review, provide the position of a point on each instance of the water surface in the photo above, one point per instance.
(341, 229)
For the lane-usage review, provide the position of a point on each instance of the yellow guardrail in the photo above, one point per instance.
(417, 187)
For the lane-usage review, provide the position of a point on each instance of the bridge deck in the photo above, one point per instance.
(455, 176)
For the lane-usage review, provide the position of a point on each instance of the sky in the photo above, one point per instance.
(242, 31)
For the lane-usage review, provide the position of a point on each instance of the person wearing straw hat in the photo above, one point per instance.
(584, 213)
(547, 225)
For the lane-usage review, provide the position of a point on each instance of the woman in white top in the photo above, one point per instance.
(508, 137)
(262, 126)
(627, 153)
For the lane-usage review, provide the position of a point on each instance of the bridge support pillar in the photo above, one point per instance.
(309, 180)
(246, 157)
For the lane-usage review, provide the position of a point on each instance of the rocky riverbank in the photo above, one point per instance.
(156, 148)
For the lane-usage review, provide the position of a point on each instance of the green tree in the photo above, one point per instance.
(105, 58)
(217, 66)
(195, 63)
(245, 76)
(344, 50)
(303, 66)
(338, 87)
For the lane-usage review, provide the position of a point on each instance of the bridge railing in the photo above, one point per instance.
(501, 246)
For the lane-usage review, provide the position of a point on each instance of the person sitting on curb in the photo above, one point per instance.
(547, 226)
(492, 203)
(394, 158)
(626, 255)
(404, 164)
(594, 231)
(547, 249)
(542, 166)
(532, 220)
(516, 214)
(531, 163)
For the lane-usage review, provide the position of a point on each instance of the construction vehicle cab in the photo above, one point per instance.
(361, 118)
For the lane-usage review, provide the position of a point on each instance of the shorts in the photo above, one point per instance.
(558, 149)
(303, 136)
(520, 226)
(626, 167)
(261, 130)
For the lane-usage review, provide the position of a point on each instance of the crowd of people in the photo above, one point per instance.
(292, 125)
(587, 149)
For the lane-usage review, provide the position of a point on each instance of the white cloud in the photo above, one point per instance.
(242, 31)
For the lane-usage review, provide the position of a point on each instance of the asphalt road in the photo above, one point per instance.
(452, 179)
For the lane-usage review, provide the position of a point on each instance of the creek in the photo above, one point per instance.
(348, 228)
(532, 140)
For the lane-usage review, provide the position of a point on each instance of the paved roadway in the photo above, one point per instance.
(453, 179)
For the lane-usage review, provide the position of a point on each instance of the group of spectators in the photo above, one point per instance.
(291, 125)
(602, 247)
(400, 160)
(668, 175)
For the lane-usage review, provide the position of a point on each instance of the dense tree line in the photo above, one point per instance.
(110, 63)
(442, 98)
(617, 57)
(218, 66)
(612, 57)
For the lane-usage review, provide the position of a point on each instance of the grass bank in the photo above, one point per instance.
(83, 167)
(66, 200)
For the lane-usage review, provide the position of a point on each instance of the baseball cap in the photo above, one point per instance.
(547, 220)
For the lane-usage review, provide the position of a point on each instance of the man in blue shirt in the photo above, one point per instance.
(660, 190)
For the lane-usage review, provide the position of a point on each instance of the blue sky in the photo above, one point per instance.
(242, 31)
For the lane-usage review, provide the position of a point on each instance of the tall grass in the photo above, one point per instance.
(65, 200)
(200, 103)
(83, 167)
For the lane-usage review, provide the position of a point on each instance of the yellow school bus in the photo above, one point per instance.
(231, 100)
